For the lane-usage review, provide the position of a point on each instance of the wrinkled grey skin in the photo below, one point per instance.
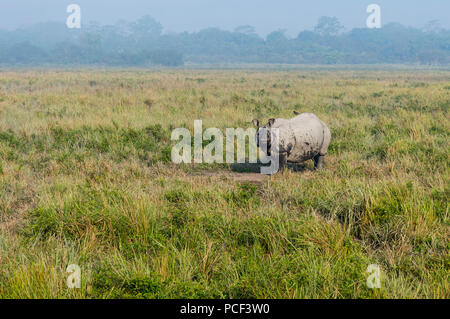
(300, 138)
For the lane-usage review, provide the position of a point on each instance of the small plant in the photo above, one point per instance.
(148, 102)
(177, 197)
(181, 215)
(244, 196)
(378, 94)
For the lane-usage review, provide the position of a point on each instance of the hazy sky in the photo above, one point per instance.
(193, 15)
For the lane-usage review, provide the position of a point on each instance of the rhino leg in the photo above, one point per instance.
(283, 161)
(319, 161)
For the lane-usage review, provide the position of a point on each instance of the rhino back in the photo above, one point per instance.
(307, 131)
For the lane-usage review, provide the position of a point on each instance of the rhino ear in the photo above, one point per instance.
(270, 123)
(255, 122)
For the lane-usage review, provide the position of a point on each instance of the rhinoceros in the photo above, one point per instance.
(300, 138)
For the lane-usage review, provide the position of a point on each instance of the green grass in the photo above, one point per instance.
(86, 178)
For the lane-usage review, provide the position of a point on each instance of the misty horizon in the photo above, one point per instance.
(147, 39)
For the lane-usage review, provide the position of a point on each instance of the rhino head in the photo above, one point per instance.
(263, 135)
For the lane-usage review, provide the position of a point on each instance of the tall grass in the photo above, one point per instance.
(86, 178)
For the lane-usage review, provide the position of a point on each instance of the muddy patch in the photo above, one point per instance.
(244, 173)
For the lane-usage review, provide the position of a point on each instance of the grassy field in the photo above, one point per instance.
(86, 179)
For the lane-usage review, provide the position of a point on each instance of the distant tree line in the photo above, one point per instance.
(142, 43)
